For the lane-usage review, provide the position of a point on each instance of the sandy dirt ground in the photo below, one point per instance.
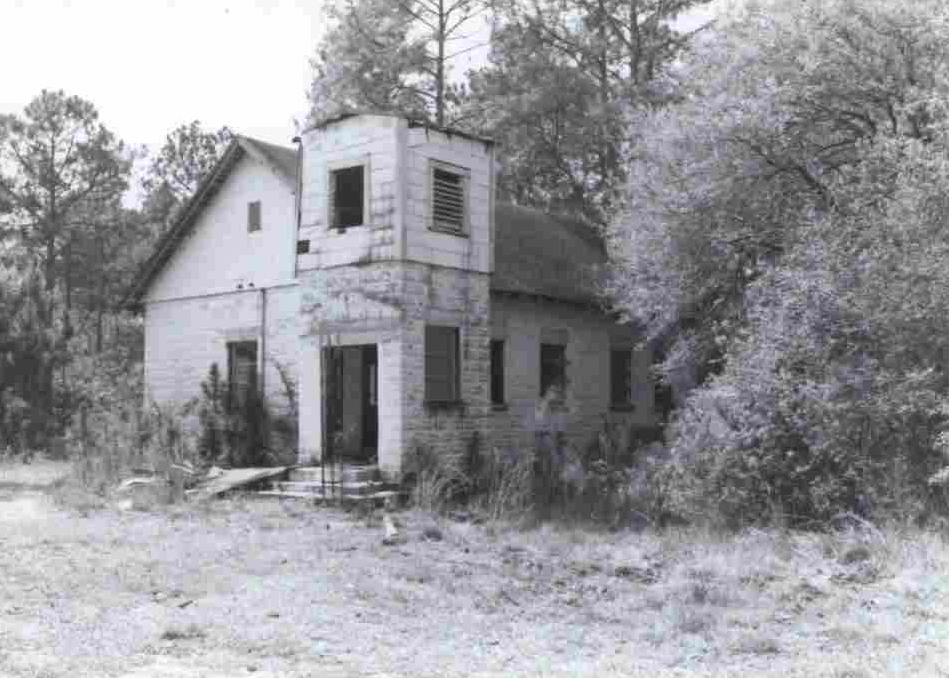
(257, 587)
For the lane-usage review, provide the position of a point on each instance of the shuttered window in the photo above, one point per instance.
(347, 197)
(442, 373)
(621, 378)
(497, 372)
(553, 368)
(253, 216)
(241, 371)
(449, 200)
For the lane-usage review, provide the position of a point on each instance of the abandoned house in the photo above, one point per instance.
(375, 266)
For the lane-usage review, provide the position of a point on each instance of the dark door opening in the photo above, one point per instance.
(352, 409)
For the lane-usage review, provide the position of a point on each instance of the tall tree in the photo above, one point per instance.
(786, 240)
(57, 162)
(54, 159)
(187, 155)
(563, 79)
(393, 55)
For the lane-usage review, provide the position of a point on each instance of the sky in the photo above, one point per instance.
(151, 65)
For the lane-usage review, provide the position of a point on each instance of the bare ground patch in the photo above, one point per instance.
(251, 587)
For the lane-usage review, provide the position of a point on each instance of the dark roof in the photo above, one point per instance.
(545, 255)
(536, 253)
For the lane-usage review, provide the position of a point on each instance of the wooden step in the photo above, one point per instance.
(316, 487)
(345, 473)
(376, 498)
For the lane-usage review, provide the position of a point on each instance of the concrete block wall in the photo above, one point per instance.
(455, 298)
(219, 255)
(474, 158)
(369, 140)
(183, 337)
(349, 306)
(521, 323)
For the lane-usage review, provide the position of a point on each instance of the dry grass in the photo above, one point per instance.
(243, 586)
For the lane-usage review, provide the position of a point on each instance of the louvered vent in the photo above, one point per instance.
(448, 201)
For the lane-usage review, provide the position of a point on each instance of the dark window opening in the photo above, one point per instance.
(347, 197)
(553, 369)
(448, 201)
(442, 369)
(303, 246)
(241, 372)
(497, 372)
(621, 378)
(663, 395)
(253, 216)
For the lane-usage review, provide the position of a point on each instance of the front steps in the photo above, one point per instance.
(344, 483)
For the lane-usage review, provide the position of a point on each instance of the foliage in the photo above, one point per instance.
(244, 432)
(63, 241)
(562, 81)
(385, 55)
(212, 416)
(785, 243)
(438, 478)
(187, 156)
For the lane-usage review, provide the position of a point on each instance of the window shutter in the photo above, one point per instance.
(448, 200)
(621, 384)
(253, 216)
(331, 200)
(241, 370)
(441, 364)
(497, 372)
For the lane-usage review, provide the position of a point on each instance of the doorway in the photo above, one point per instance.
(352, 403)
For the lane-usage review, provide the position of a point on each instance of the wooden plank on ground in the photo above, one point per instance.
(233, 479)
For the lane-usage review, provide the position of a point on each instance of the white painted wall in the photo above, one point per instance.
(371, 140)
(184, 336)
(423, 245)
(219, 254)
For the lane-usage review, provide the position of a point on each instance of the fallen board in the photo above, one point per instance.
(232, 479)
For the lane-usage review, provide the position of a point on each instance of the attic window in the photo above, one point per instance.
(347, 196)
(449, 198)
(253, 216)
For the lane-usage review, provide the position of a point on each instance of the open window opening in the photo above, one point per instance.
(621, 379)
(347, 197)
(553, 370)
(497, 373)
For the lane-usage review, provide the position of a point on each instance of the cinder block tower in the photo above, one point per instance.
(395, 256)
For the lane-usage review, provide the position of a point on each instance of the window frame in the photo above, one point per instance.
(453, 367)
(465, 176)
(233, 347)
(561, 362)
(332, 169)
(624, 404)
(497, 372)
(253, 227)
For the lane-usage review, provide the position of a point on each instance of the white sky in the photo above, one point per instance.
(150, 65)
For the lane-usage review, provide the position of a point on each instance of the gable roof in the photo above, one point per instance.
(536, 253)
(283, 161)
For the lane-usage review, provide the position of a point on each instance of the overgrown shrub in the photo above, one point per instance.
(246, 431)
